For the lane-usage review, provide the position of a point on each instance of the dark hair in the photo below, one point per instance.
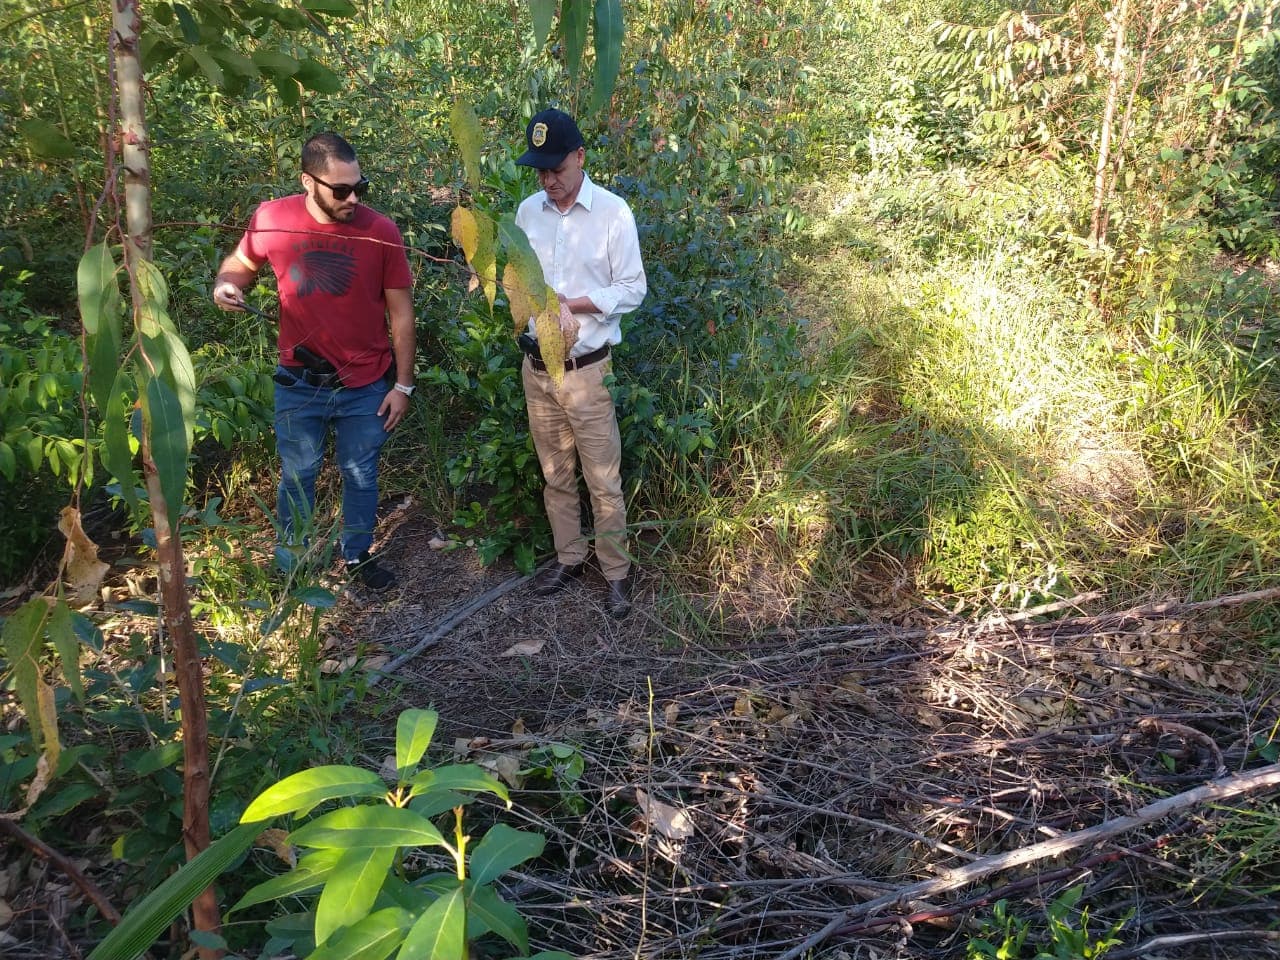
(323, 147)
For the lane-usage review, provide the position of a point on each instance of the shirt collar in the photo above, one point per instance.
(585, 194)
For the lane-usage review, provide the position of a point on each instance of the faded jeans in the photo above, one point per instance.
(303, 417)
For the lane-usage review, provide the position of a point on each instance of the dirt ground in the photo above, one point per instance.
(752, 800)
(865, 787)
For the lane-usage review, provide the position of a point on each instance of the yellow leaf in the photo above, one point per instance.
(550, 339)
(522, 308)
(83, 570)
(485, 261)
(277, 841)
(49, 721)
(469, 138)
(463, 228)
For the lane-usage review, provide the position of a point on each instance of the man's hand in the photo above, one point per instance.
(228, 295)
(395, 405)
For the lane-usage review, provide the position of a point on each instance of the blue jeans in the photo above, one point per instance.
(303, 416)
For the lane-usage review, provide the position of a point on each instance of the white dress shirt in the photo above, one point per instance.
(592, 250)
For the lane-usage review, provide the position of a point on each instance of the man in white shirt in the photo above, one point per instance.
(585, 238)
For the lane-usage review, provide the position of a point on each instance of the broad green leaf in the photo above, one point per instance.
(63, 635)
(45, 139)
(337, 8)
(160, 757)
(489, 913)
(414, 730)
(208, 66)
(502, 848)
(435, 802)
(8, 462)
(608, 46)
(158, 909)
(575, 18)
(274, 63)
(459, 776)
(373, 938)
(154, 290)
(303, 790)
(522, 281)
(156, 49)
(168, 434)
(59, 802)
(310, 873)
(369, 826)
(99, 297)
(190, 29)
(23, 637)
(233, 60)
(351, 889)
(543, 12)
(314, 75)
(117, 455)
(287, 87)
(470, 139)
(317, 597)
(439, 933)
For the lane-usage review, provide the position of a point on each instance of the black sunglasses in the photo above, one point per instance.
(343, 190)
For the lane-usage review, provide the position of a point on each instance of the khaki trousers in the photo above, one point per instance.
(578, 423)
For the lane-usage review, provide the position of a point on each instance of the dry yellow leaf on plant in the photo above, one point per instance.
(550, 340)
(462, 225)
(517, 291)
(473, 231)
(84, 571)
(277, 841)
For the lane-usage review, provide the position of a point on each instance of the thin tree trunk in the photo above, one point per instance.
(134, 150)
(1101, 181)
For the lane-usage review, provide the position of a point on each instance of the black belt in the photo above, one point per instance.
(323, 381)
(573, 363)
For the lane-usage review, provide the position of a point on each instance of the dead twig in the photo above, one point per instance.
(63, 863)
(1260, 779)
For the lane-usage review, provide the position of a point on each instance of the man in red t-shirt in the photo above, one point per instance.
(342, 276)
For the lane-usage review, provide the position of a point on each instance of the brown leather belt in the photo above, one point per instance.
(573, 363)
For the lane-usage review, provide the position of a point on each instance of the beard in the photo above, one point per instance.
(338, 213)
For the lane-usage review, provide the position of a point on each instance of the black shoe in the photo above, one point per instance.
(619, 604)
(368, 571)
(556, 578)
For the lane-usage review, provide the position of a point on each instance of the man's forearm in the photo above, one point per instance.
(403, 334)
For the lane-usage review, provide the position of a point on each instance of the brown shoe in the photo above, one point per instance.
(619, 604)
(556, 578)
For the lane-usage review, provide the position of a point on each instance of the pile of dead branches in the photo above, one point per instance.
(871, 791)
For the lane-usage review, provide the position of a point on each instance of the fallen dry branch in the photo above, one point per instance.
(1261, 779)
(42, 850)
(775, 784)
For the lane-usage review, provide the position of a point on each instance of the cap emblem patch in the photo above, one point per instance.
(539, 135)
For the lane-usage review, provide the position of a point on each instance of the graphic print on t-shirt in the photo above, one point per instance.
(323, 269)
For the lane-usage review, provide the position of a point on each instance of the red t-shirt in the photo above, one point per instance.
(331, 279)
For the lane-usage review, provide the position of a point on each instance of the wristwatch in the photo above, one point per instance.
(406, 390)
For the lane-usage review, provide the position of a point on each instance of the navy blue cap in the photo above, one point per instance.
(551, 136)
